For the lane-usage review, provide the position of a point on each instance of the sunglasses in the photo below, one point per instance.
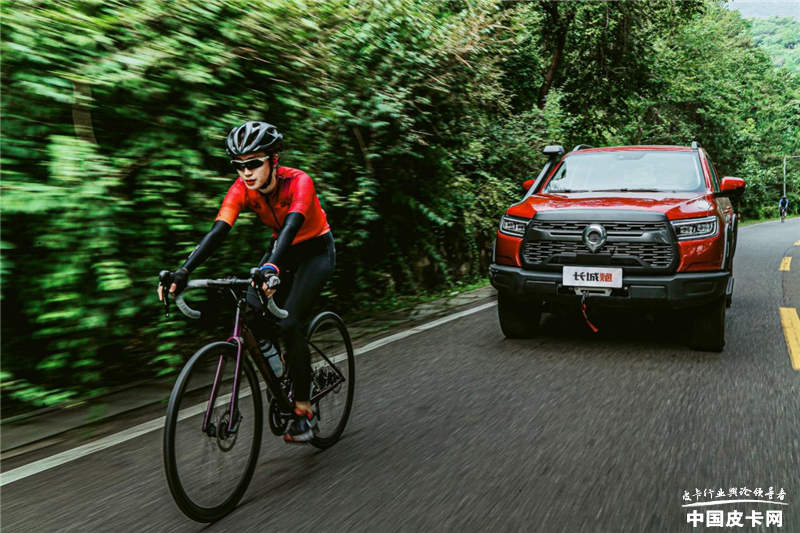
(250, 164)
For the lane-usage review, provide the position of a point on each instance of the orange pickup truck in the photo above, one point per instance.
(624, 226)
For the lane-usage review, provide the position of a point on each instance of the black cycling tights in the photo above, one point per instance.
(305, 267)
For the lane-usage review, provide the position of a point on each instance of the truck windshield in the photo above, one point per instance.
(628, 171)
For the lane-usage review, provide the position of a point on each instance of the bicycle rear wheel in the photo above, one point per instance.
(208, 471)
(333, 374)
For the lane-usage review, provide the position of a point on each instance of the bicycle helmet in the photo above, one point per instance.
(252, 137)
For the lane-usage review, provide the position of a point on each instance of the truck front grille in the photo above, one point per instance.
(630, 254)
(630, 229)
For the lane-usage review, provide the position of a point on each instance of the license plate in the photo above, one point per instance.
(592, 277)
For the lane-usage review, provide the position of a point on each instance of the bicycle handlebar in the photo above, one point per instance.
(224, 282)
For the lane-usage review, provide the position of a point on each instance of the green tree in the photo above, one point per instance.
(780, 39)
(418, 121)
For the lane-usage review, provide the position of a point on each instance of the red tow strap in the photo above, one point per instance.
(585, 316)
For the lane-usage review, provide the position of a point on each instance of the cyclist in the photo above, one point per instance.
(783, 206)
(301, 255)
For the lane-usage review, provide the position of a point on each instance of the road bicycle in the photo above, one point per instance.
(214, 421)
(783, 215)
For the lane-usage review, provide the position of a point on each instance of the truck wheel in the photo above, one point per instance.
(707, 330)
(518, 319)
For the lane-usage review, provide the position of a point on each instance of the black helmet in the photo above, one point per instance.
(253, 137)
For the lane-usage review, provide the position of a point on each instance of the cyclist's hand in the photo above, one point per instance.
(266, 279)
(270, 284)
(176, 280)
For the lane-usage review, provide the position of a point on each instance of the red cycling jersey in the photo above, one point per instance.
(294, 194)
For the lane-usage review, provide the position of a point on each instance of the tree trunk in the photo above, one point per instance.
(81, 114)
(560, 27)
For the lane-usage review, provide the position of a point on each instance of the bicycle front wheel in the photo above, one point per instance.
(209, 462)
(333, 375)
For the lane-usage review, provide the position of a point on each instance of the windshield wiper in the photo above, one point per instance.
(561, 191)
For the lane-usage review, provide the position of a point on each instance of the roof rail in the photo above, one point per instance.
(581, 147)
(695, 146)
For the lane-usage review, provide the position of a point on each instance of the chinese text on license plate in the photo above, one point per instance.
(593, 277)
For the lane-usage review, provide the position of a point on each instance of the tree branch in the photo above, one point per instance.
(360, 139)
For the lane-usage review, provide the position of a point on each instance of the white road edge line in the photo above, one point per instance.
(142, 429)
(764, 222)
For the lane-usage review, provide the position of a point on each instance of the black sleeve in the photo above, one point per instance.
(291, 225)
(208, 245)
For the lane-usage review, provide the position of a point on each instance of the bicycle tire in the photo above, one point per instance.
(190, 508)
(329, 318)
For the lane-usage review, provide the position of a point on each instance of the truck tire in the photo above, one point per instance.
(707, 330)
(518, 319)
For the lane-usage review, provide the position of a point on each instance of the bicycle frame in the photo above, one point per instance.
(243, 337)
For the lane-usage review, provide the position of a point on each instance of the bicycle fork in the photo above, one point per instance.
(232, 418)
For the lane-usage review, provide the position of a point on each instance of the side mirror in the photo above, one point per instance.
(731, 188)
(527, 184)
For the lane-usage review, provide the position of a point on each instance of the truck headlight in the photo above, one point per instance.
(513, 226)
(695, 228)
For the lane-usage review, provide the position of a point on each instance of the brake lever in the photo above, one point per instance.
(165, 279)
(261, 299)
(259, 292)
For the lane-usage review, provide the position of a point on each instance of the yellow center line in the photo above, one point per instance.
(785, 264)
(797, 243)
(791, 329)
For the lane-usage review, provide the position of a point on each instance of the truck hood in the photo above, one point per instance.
(676, 205)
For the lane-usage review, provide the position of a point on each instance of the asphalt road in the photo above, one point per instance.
(459, 429)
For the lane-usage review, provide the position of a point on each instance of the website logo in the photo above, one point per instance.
(732, 517)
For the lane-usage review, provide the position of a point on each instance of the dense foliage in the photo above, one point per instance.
(780, 38)
(418, 121)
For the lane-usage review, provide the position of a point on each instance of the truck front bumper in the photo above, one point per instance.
(673, 291)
